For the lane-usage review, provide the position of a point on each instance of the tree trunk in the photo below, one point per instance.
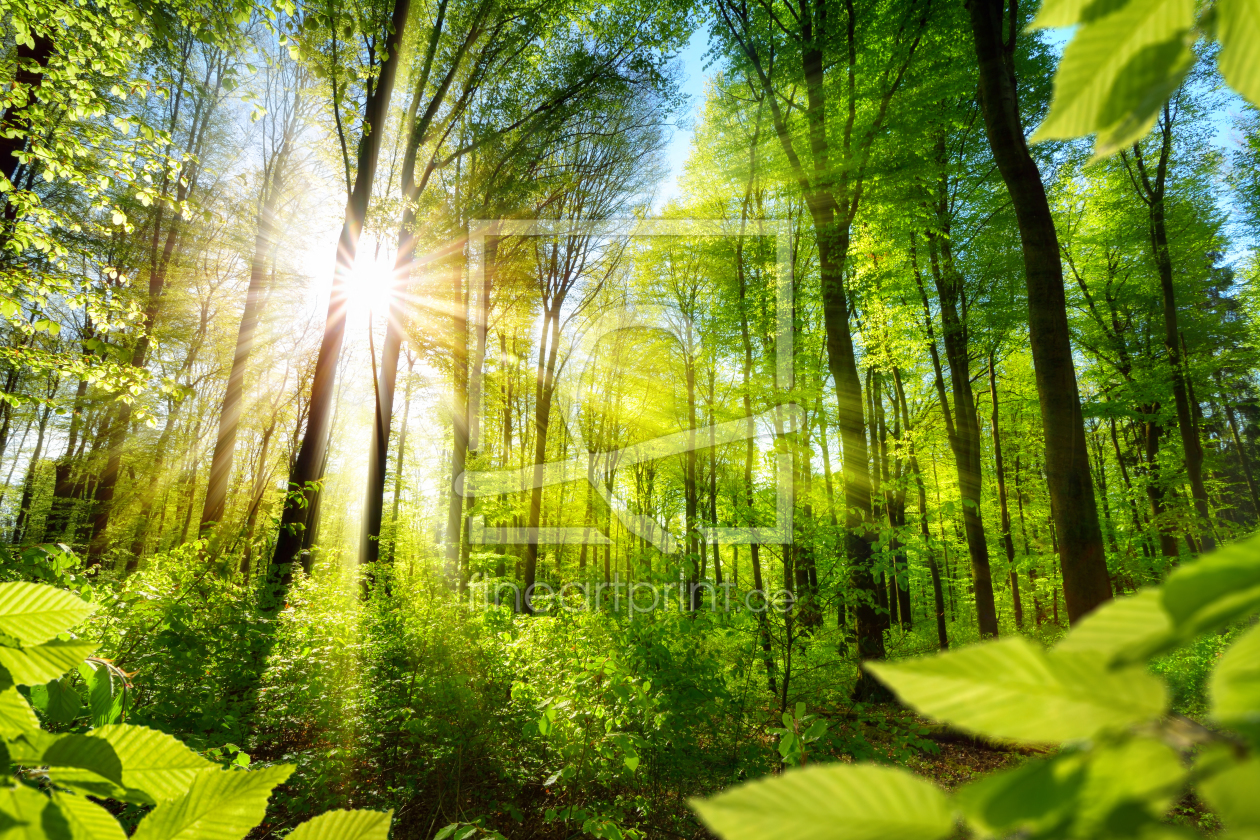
(233, 396)
(400, 461)
(1152, 193)
(1085, 580)
(999, 472)
(28, 486)
(311, 455)
(1243, 460)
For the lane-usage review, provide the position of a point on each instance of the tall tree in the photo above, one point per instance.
(780, 45)
(384, 38)
(995, 26)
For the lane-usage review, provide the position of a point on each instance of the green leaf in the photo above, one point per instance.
(1117, 73)
(87, 820)
(1031, 799)
(1056, 13)
(1095, 792)
(1142, 772)
(71, 755)
(64, 704)
(1234, 687)
(1013, 689)
(16, 716)
(35, 613)
(345, 825)
(853, 802)
(36, 816)
(1238, 30)
(1232, 795)
(58, 701)
(220, 805)
(1122, 629)
(1213, 592)
(105, 702)
(39, 664)
(152, 761)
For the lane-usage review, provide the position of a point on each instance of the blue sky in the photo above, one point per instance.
(694, 76)
(679, 147)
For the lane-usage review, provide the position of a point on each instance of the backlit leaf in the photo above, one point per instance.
(36, 816)
(840, 801)
(41, 663)
(1215, 590)
(1013, 689)
(1056, 13)
(87, 820)
(152, 761)
(1234, 687)
(1120, 628)
(345, 825)
(220, 805)
(1238, 28)
(1232, 795)
(1118, 71)
(35, 613)
(16, 715)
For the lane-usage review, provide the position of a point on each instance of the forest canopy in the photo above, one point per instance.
(539, 418)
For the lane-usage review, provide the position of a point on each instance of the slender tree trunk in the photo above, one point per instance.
(1155, 491)
(691, 489)
(548, 347)
(754, 549)
(1008, 543)
(63, 484)
(1138, 523)
(233, 396)
(400, 461)
(159, 266)
(1086, 584)
(311, 455)
(259, 492)
(1243, 460)
(1152, 193)
(28, 486)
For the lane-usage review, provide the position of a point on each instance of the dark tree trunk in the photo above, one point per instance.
(1008, 543)
(230, 412)
(1085, 580)
(1243, 460)
(1151, 191)
(307, 469)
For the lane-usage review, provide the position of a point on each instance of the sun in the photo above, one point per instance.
(372, 280)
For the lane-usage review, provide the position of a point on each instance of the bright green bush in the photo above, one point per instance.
(48, 777)
(1123, 758)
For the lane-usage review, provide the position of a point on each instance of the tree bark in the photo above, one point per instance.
(1008, 542)
(307, 469)
(1151, 191)
(1086, 584)
(233, 396)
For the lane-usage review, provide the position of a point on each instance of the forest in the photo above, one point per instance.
(629, 419)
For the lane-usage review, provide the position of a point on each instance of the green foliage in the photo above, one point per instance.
(48, 776)
(1127, 57)
(1123, 762)
(345, 825)
(194, 640)
(1013, 689)
(800, 731)
(861, 802)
